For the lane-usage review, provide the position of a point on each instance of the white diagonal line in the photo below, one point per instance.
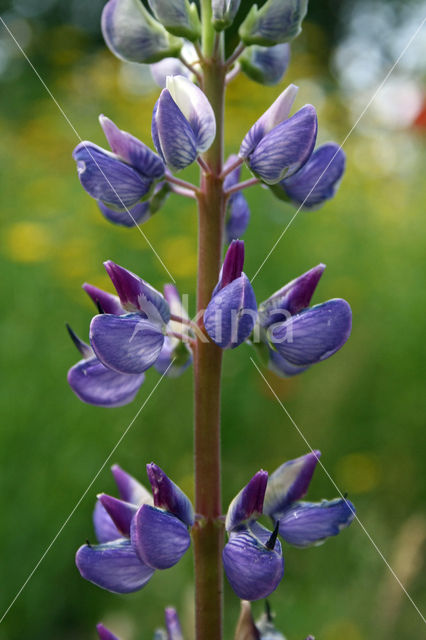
(48, 548)
(85, 146)
(363, 112)
(340, 493)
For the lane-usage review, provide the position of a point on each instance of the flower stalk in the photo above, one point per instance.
(208, 536)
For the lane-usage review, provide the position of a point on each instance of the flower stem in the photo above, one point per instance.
(208, 534)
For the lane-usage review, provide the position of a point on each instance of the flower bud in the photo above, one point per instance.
(266, 65)
(224, 12)
(183, 123)
(179, 17)
(275, 22)
(133, 35)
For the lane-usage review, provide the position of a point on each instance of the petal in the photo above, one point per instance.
(224, 12)
(130, 489)
(96, 384)
(107, 178)
(248, 503)
(238, 217)
(168, 67)
(108, 302)
(137, 295)
(319, 179)
(127, 344)
(105, 529)
(231, 314)
(120, 512)
(114, 566)
(278, 112)
(174, 631)
(253, 570)
(179, 17)
(313, 335)
(310, 523)
(85, 349)
(281, 367)
(133, 35)
(172, 134)
(138, 214)
(132, 150)
(292, 298)
(196, 108)
(286, 148)
(266, 65)
(276, 21)
(233, 264)
(104, 633)
(168, 496)
(289, 482)
(160, 539)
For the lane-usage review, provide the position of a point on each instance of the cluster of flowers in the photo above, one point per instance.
(131, 182)
(141, 328)
(140, 533)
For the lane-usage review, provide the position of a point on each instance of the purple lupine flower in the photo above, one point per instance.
(179, 17)
(275, 22)
(121, 178)
(252, 556)
(302, 524)
(104, 633)
(237, 209)
(232, 311)
(302, 335)
(317, 181)
(132, 34)
(174, 630)
(175, 356)
(266, 65)
(183, 123)
(137, 534)
(224, 12)
(130, 343)
(96, 384)
(277, 146)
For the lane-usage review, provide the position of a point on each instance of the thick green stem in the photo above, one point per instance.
(208, 535)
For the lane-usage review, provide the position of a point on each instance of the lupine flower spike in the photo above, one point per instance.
(137, 533)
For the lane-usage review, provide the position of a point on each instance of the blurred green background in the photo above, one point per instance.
(364, 408)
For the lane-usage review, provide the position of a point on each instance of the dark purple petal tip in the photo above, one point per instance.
(248, 503)
(104, 633)
(167, 495)
(233, 263)
(120, 512)
(108, 302)
(130, 489)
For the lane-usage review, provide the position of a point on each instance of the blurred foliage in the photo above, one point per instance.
(364, 408)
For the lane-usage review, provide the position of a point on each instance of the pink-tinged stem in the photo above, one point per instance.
(237, 163)
(208, 533)
(180, 183)
(241, 185)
